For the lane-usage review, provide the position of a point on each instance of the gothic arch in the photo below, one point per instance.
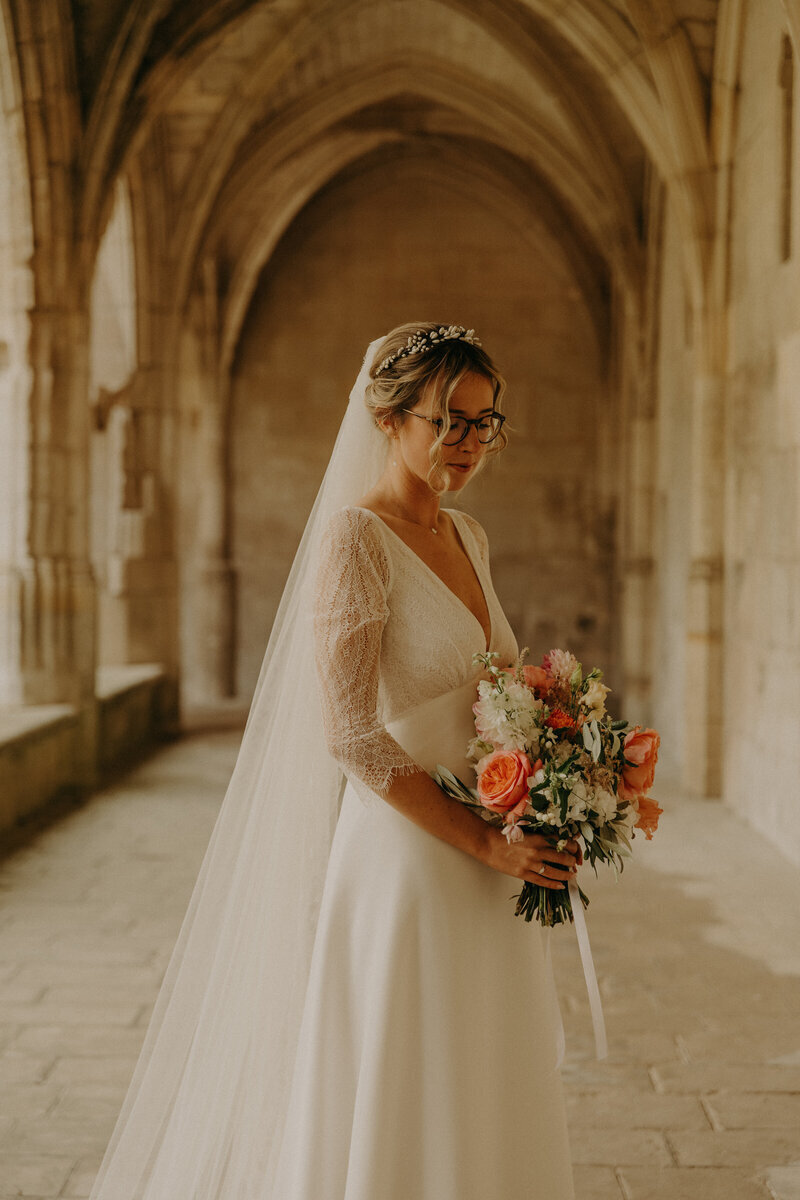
(321, 162)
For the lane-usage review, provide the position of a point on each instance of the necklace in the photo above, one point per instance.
(432, 528)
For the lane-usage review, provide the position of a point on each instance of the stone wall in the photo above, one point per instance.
(762, 583)
(389, 246)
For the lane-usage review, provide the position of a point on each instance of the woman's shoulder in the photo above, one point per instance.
(354, 521)
(353, 532)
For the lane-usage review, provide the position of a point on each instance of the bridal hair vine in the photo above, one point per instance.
(424, 340)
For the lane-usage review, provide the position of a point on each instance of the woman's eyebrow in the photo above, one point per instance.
(460, 412)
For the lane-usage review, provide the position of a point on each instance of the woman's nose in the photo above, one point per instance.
(472, 442)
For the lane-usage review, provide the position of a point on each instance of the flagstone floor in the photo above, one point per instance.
(696, 948)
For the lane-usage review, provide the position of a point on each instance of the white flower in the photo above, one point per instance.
(579, 800)
(604, 804)
(594, 699)
(537, 778)
(507, 718)
(477, 748)
(627, 818)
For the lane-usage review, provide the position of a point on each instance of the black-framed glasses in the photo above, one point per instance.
(487, 427)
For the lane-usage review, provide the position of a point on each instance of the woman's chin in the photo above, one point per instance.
(457, 477)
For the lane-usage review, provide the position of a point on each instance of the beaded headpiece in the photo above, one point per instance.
(423, 340)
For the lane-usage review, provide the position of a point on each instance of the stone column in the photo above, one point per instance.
(705, 609)
(48, 595)
(215, 604)
(637, 503)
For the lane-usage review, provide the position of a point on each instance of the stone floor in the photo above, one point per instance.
(696, 948)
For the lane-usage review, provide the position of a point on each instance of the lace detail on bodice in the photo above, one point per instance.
(391, 635)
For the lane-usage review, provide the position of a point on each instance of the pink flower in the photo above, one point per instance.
(641, 754)
(560, 664)
(503, 781)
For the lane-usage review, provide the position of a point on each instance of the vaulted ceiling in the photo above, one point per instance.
(246, 108)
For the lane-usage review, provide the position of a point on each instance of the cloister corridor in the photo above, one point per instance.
(208, 209)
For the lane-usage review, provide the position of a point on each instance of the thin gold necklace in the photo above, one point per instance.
(432, 528)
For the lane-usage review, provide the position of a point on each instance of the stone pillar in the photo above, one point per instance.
(637, 503)
(213, 595)
(215, 606)
(48, 594)
(705, 609)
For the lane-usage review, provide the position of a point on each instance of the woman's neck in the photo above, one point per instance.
(403, 495)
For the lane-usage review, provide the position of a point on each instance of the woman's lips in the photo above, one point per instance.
(463, 467)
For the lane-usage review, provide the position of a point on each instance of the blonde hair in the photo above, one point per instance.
(436, 372)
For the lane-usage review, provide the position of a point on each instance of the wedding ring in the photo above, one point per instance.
(542, 870)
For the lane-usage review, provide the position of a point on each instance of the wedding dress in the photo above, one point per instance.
(351, 1010)
(426, 1067)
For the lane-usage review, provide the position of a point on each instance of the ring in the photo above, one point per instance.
(542, 870)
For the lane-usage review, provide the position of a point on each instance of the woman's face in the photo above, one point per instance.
(473, 397)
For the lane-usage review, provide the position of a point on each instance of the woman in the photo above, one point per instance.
(393, 1038)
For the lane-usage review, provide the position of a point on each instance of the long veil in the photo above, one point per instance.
(203, 1116)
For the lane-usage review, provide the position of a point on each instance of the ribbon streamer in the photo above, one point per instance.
(595, 1005)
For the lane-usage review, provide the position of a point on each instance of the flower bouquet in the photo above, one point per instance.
(549, 760)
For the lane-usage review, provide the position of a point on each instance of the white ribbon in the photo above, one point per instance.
(595, 1005)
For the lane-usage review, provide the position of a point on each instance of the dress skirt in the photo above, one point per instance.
(426, 1065)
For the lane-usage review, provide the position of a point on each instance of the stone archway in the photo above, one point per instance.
(379, 273)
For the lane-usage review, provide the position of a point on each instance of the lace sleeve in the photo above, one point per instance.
(350, 611)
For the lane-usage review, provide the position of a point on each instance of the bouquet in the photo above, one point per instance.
(550, 760)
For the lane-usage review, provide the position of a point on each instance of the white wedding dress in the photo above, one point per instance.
(426, 1064)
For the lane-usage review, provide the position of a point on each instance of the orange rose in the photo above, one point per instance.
(503, 781)
(641, 755)
(537, 680)
(649, 812)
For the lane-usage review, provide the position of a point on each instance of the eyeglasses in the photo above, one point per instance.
(487, 427)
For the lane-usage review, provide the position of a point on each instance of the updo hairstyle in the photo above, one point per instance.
(436, 371)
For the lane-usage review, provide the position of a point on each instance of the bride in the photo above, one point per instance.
(351, 1011)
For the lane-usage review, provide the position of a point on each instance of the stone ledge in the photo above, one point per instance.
(23, 721)
(40, 746)
(111, 682)
(37, 758)
(131, 712)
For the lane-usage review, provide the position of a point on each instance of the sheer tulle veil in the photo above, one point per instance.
(203, 1116)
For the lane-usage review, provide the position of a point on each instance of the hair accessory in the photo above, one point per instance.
(424, 340)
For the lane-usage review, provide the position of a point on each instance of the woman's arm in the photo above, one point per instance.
(351, 609)
(417, 797)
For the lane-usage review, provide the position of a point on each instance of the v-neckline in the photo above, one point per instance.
(430, 570)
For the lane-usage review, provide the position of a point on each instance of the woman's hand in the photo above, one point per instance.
(533, 859)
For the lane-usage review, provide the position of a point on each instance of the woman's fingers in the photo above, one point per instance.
(555, 858)
(544, 881)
